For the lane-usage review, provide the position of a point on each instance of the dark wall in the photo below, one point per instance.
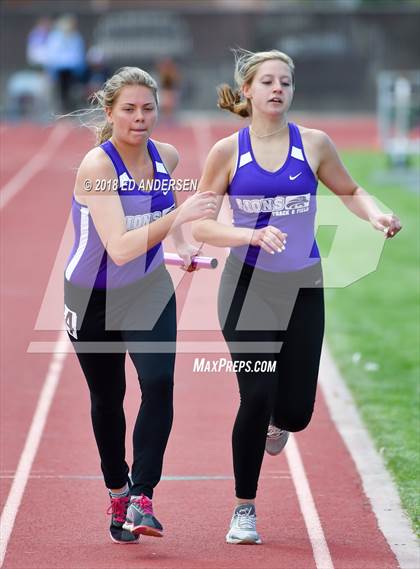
(337, 52)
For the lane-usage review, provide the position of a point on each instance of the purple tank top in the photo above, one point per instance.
(285, 199)
(89, 265)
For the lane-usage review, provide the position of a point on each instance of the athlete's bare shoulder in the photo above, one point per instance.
(168, 153)
(223, 152)
(227, 146)
(95, 166)
(313, 135)
(219, 165)
(222, 157)
(96, 160)
(316, 140)
(316, 143)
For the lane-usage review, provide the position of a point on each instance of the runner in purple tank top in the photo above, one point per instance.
(271, 303)
(119, 296)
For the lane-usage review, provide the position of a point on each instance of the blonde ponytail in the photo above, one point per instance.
(231, 101)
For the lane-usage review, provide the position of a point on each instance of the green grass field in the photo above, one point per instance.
(378, 317)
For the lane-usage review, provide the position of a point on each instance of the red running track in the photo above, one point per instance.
(61, 521)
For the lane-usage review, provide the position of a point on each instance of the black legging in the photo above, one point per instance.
(138, 317)
(270, 317)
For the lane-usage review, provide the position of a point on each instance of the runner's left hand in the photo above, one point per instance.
(388, 223)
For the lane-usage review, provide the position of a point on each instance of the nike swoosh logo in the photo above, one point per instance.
(294, 177)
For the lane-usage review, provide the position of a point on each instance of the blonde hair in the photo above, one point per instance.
(246, 66)
(109, 93)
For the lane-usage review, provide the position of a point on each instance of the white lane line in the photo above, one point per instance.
(377, 482)
(316, 535)
(14, 498)
(35, 165)
(170, 478)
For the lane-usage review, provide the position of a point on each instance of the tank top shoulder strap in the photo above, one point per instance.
(244, 142)
(114, 156)
(296, 144)
(158, 164)
(153, 151)
(244, 148)
(296, 139)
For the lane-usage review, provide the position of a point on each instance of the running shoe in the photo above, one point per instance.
(118, 511)
(243, 526)
(140, 518)
(276, 440)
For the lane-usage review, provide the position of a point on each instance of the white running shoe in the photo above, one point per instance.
(276, 440)
(243, 528)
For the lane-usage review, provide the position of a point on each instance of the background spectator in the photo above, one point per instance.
(66, 59)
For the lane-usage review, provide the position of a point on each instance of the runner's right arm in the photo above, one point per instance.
(217, 170)
(108, 215)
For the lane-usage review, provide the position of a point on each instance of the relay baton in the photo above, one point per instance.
(196, 262)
